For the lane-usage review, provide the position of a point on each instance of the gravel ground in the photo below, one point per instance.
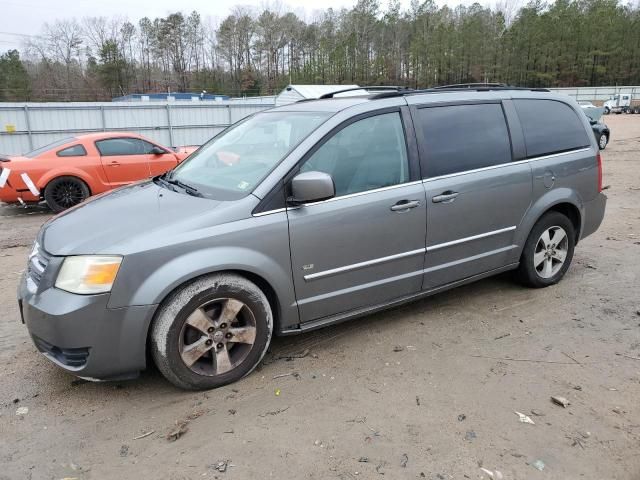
(428, 390)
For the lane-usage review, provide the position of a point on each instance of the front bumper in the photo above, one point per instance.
(81, 335)
(593, 214)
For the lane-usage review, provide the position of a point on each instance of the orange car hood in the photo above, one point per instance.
(184, 152)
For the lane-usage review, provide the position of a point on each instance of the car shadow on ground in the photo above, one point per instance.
(7, 210)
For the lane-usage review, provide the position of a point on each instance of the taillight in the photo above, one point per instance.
(599, 160)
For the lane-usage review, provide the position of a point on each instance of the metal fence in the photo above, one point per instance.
(27, 126)
(597, 94)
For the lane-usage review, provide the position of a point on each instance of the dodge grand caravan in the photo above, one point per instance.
(306, 215)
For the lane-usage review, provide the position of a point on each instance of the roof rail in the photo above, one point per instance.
(479, 87)
(366, 88)
(469, 86)
(484, 86)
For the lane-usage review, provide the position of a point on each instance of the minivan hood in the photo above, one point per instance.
(121, 220)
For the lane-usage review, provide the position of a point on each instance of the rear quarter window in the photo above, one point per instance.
(73, 151)
(550, 126)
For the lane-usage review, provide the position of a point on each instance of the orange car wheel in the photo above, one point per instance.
(65, 192)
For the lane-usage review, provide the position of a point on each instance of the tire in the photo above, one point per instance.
(603, 141)
(65, 192)
(204, 303)
(537, 276)
(607, 111)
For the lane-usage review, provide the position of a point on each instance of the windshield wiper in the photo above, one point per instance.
(186, 187)
(163, 180)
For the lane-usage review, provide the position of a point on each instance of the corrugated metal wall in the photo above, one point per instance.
(598, 94)
(27, 126)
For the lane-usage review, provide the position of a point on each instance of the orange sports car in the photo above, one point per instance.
(68, 171)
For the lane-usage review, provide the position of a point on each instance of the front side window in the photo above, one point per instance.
(550, 127)
(234, 162)
(365, 155)
(460, 138)
(73, 151)
(147, 147)
(123, 146)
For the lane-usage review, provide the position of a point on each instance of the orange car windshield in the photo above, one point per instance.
(233, 163)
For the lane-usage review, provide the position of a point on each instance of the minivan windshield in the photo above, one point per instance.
(231, 164)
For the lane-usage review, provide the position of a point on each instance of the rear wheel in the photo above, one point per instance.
(548, 251)
(211, 332)
(65, 192)
(603, 140)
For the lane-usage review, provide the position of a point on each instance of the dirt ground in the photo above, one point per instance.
(429, 390)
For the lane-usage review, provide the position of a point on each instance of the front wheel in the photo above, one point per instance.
(548, 251)
(65, 192)
(211, 332)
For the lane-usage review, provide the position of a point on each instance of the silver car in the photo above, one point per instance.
(307, 215)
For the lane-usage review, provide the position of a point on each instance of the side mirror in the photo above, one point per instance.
(311, 187)
(156, 150)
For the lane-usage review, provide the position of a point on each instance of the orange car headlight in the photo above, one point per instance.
(88, 275)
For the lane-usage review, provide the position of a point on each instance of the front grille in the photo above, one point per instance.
(38, 261)
(70, 357)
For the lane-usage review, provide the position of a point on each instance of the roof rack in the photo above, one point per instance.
(469, 86)
(366, 88)
(484, 87)
(478, 87)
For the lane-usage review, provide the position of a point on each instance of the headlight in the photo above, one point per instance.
(88, 274)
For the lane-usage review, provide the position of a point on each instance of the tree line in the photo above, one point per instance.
(258, 52)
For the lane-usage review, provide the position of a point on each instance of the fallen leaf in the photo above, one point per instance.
(180, 430)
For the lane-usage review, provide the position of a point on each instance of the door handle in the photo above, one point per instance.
(114, 164)
(445, 197)
(404, 205)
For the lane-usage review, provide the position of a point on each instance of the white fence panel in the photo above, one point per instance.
(203, 116)
(27, 126)
(134, 117)
(47, 119)
(597, 94)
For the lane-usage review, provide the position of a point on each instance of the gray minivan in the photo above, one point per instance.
(307, 215)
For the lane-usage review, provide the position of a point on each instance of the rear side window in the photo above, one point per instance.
(550, 127)
(464, 137)
(123, 146)
(74, 151)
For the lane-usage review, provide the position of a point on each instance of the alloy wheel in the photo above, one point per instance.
(602, 142)
(551, 252)
(67, 194)
(217, 336)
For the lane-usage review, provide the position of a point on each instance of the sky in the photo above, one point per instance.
(21, 18)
